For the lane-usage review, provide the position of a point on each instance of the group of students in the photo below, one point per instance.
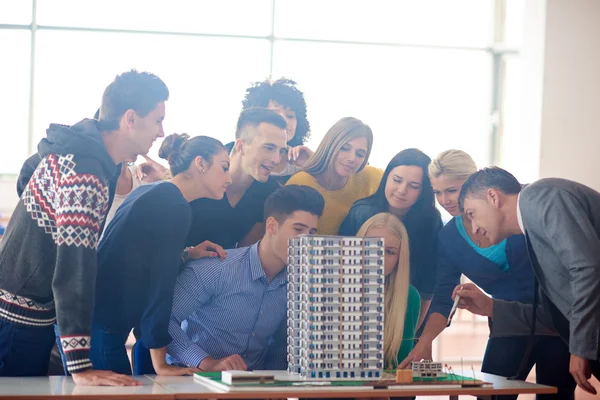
(194, 263)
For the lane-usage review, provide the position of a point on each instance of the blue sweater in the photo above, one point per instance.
(457, 257)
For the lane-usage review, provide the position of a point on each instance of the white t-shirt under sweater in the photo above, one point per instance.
(120, 198)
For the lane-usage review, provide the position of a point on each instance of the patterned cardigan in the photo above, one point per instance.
(48, 254)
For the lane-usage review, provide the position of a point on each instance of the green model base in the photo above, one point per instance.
(216, 376)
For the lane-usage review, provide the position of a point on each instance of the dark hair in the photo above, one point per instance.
(180, 151)
(254, 116)
(425, 204)
(288, 199)
(132, 90)
(423, 220)
(282, 91)
(488, 178)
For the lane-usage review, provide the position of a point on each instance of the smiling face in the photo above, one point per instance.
(350, 157)
(296, 224)
(216, 178)
(486, 216)
(447, 190)
(392, 247)
(403, 186)
(263, 151)
(288, 114)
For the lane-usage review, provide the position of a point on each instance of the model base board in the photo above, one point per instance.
(283, 381)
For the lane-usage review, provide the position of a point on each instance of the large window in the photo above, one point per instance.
(15, 12)
(408, 95)
(14, 97)
(206, 76)
(217, 17)
(432, 74)
(420, 73)
(454, 23)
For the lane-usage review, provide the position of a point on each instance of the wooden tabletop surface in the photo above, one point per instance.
(165, 387)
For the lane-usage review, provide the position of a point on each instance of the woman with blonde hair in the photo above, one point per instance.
(502, 270)
(338, 170)
(402, 301)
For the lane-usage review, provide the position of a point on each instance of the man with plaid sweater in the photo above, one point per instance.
(48, 254)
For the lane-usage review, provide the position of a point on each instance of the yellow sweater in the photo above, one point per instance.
(338, 202)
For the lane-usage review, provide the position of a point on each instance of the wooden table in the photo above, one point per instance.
(186, 389)
(62, 387)
(172, 388)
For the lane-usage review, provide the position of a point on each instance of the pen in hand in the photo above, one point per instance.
(454, 307)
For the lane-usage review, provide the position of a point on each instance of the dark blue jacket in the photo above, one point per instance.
(457, 257)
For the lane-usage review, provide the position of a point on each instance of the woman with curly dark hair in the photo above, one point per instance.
(284, 97)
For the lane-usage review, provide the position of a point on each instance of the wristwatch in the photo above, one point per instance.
(185, 256)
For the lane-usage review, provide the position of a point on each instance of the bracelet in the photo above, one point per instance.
(185, 256)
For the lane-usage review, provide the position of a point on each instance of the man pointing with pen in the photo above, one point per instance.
(561, 222)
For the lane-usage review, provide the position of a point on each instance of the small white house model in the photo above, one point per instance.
(335, 307)
(427, 369)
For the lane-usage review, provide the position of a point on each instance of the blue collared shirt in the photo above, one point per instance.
(221, 308)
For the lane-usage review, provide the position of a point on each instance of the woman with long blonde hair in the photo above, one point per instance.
(402, 301)
(338, 170)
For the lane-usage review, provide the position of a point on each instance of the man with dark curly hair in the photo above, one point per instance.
(284, 97)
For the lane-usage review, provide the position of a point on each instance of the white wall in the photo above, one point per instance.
(521, 139)
(558, 95)
(570, 138)
(560, 103)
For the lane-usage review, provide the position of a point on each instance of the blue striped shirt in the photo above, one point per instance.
(221, 308)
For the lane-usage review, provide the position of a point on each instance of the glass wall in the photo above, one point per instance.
(420, 73)
(14, 97)
(432, 74)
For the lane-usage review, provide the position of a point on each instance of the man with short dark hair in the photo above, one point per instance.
(48, 255)
(236, 220)
(561, 222)
(284, 97)
(131, 90)
(234, 309)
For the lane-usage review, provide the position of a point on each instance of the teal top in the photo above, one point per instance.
(495, 253)
(413, 308)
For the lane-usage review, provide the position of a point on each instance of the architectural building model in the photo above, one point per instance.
(404, 376)
(335, 307)
(427, 369)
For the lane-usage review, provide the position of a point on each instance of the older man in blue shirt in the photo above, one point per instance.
(226, 314)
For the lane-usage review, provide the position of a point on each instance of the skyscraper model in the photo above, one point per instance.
(336, 307)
